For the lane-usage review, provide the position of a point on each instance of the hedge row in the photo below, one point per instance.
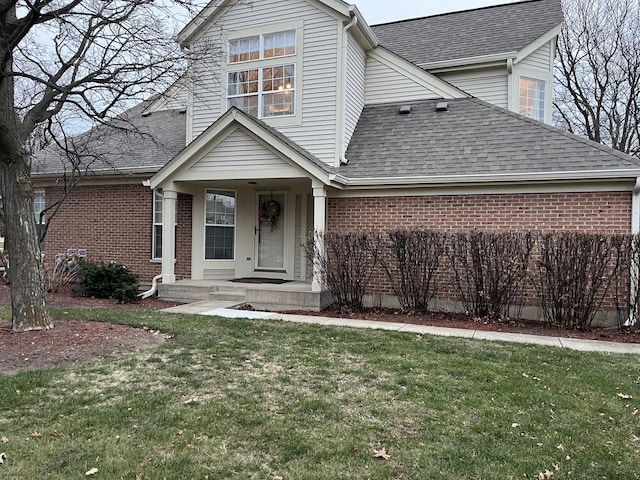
(571, 274)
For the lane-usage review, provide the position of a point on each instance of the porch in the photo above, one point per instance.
(293, 295)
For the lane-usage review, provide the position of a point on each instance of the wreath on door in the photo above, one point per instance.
(269, 213)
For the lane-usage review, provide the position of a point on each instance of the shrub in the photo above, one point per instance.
(109, 280)
(346, 262)
(490, 270)
(575, 271)
(411, 261)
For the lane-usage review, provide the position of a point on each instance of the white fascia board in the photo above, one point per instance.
(399, 182)
(469, 61)
(418, 75)
(539, 42)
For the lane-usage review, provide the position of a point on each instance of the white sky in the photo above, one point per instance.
(381, 11)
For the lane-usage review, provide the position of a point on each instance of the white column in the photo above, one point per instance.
(169, 206)
(319, 226)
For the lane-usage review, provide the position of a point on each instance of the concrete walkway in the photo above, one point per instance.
(224, 310)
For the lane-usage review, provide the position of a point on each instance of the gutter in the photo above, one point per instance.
(490, 178)
(343, 87)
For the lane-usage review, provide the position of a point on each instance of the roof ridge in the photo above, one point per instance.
(404, 20)
(584, 140)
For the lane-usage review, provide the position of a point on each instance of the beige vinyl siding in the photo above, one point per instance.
(356, 69)
(384, 85)
(318, 79)
(216, 274)
(241, 156)
(489, 84)
(539, 60)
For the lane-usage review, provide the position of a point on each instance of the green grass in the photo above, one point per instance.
(257, 399)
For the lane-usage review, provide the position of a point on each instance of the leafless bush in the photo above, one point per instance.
(346, 262)
(490, 270)
(575, 271)
(627, 281)
(411, 261)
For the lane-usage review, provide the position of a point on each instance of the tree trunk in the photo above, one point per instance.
(26, 270)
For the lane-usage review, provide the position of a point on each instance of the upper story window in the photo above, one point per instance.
(267, 88)
(259, 47)
(532, 98)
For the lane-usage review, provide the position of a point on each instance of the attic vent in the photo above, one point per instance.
(442, 107)
(405, 109)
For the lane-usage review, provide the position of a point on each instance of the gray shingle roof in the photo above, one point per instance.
(471, 33)
(471, 138)
(133, 143)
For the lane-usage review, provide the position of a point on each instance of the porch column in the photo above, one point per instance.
(169, 207)
(319, 227)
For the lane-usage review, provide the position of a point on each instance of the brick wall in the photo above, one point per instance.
(114, 222)
(594, 211)
(608, 212)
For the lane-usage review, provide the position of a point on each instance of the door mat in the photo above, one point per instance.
(274, 281)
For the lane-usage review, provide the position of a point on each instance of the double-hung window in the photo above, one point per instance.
(156, 248)
(266, 86)
(532, 98)
(220, 225)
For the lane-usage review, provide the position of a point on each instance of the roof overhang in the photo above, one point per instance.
(234, 118)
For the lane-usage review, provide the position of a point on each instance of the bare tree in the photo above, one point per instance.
(598, 72)
(67, 65)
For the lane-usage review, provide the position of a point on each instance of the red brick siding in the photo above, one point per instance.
(114, 222)
(594, 211)
(608, 212)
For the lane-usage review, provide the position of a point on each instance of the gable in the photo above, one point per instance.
(390, 78)
(241, 156)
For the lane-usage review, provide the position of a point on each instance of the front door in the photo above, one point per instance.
(270, 231)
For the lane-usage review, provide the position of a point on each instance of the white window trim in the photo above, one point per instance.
(296, 60)
(205, 224)
(155, 224)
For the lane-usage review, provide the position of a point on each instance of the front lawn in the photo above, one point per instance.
(262, 399)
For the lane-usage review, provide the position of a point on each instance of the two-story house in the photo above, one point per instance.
(308, 119)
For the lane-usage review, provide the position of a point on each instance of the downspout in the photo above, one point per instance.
(343, 88)
(154, 288)
(634, 290)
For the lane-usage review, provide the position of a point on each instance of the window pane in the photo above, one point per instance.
(532, 98)
(244, 49)
(38, 205)
(278, 78)
(157, 207)
(219, 243)
(220, 207)
(157, 241)
(280, 44)
(248, 105)
(242, 83)
(275, 104)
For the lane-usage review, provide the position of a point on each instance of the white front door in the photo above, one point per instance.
(270, 231)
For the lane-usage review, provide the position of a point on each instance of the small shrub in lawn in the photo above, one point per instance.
(108, 280)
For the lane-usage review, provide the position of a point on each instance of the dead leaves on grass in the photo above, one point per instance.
(3, 457)
(381, 454)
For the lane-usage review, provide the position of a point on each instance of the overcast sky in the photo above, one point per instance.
(380, 11)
